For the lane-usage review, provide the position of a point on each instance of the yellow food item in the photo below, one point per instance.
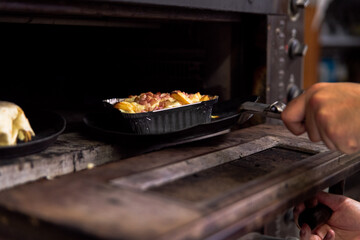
(197, 97)
(181, 97)
(125, 106)
(205, 98)
(13, 124)
(149, 101)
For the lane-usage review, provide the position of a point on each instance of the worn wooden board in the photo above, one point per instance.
(111, 212)
(93, 204)
(70, 153)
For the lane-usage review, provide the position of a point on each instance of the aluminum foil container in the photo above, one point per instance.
(164, 120)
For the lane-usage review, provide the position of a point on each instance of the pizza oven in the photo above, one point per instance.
(82, 177)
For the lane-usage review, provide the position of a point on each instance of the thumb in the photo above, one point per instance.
(333, 201)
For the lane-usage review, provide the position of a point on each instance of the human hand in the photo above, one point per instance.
(328, 112)
(344, 223)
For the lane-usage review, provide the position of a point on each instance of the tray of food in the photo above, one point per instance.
(225, 116)
(159, 113)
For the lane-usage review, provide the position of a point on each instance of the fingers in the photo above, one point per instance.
(294, 114)
(333, 201)
(300, 114)
(306, 114)
(307, 204)
(302, 206)
(317, 118)
(324, 233)
(311, 124)
(330, 235)
(311, 203)
(297, 210)
(314, 125)
(305, 234)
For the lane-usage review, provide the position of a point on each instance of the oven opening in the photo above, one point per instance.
(74, 67)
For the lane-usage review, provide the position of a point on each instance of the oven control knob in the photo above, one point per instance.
(293, 92)
(296, 5)
(296, 48)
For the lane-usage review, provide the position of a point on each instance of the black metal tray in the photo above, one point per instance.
(47, 126)
(105, 125)
(165, 120)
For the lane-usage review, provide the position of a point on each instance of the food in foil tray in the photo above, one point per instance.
(161, 113)
(147, 102)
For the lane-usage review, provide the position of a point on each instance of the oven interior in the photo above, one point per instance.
(74, 67)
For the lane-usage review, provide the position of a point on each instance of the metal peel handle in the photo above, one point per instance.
(273, 110)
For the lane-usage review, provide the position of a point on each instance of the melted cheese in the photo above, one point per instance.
(146, 102)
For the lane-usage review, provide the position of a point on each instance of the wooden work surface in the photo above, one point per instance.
(214, 188)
